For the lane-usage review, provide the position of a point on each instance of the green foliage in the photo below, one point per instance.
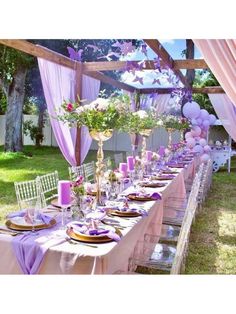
(10, 59)
(204, 78)
(3, 103)
(174, 122)
(34, 131)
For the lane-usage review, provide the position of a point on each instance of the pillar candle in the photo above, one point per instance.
(123, 168)
(130, 163)
(64, 193)
(149, 155)
(162, 151)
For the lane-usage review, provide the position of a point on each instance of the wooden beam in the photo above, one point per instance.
(39, 51)
(106, 79)
(190, 64)
(156, 46)
(148, 65)
(200, 90)
(78, 93)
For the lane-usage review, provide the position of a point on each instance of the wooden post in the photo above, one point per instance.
(78, 93)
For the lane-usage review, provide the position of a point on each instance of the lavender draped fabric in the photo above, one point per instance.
(161, 102)
(59, 85)
(220, 55)
(226, 112)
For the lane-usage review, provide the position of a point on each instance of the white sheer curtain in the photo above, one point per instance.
(226, 112)
(161, 102)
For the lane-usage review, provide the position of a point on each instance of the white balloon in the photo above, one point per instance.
(202, 142)
(205, 158)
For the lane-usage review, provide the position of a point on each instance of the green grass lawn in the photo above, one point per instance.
(212, 247)
(26, 166)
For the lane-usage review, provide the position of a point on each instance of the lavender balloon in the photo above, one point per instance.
(202, 142)
(188, 135)
(191, 110)
(204, 114)
(196, 131)
(206, 123)
(205, 158)
(190, 142)
(198, 149)
(212, 119)
(199, 121)
(207, 148)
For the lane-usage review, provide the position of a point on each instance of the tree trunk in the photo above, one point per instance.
(41, 121)
(14, 114)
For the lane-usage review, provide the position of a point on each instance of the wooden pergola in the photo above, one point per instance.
(94, 70)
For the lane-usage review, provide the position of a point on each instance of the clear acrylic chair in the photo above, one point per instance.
(89, 171)
(48, 185)
(174, 208)
(76, 171)
(28, 191)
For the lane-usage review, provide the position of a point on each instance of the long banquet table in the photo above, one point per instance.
(106, 258)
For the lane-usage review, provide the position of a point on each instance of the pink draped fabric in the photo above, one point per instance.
(226, 112)
(59, 85)
(220, 55)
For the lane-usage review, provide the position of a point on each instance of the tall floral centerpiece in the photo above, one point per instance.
(141, 122)
(101, 117)
(172, 123)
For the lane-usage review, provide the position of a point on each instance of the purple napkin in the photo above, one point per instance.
(30, 249)
(46, 219)
(155, 195)
(83, 229)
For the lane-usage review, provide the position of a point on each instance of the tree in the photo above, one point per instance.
(13, 69)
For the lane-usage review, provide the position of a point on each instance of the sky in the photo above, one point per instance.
(173, 47)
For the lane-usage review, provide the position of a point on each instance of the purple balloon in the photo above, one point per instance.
(206, 123)
(198, 149)
(207, 148)
(188, 135)
(196, 131)
(202, 142)
(204, 115)
(199, 121)
(194, 122)
(190, 142)
(205, 158)
(191, 110)
(212, 119)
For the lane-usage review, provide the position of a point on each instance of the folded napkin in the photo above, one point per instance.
(81, 228)
(22, 213)
(154, 196)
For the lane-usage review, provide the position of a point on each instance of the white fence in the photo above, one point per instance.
(119, 141)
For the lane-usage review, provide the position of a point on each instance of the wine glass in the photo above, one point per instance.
(32, 212)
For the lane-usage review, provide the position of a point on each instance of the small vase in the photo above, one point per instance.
(145, 134)
(170, 131)
(100, 137)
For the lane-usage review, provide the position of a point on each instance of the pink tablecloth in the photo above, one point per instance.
(107, 258)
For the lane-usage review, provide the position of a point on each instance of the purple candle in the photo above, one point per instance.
(149, 155)
(123, 168)
(64, 193)
(162, 151)
(130, 163)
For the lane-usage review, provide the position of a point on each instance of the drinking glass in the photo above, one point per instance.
(33, 209)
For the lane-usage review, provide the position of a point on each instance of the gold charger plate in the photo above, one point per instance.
(54, 203)
(152, 185)
(89, 238)
(13, 226)
(177, 166)
(140, 198)
(119, 213)
(170, 172)
(162, 178)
